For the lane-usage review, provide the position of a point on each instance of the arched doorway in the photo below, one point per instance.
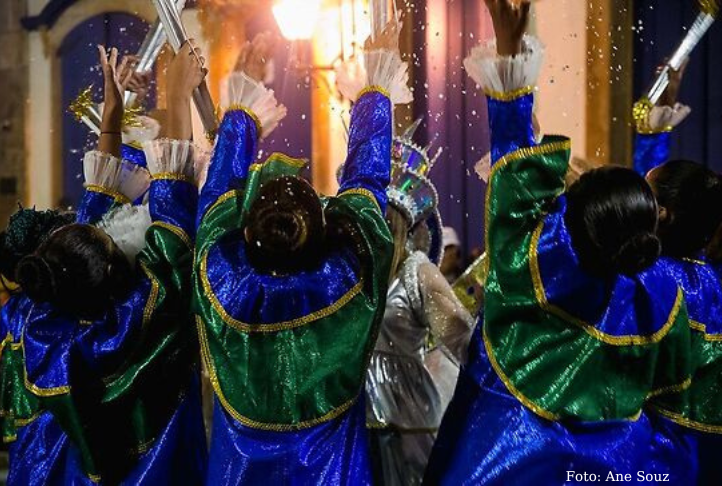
(77, 57)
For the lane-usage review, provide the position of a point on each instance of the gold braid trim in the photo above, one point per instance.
(179, 232)
(685, 422)
(118, 196)
(640, 115)
(509, 95)
(274, 427)
(274, 327)
(279, 157)
(510, 386)
(29, 420)
(153, 297)
(628, 340)
(360, 191)
(221, 199)
(251, 114)
(374, 89)
(173, 176)
(666, 390)
(7, 439)
(519, 154)
(698, 326)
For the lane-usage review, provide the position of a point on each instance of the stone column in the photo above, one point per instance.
(13, 84)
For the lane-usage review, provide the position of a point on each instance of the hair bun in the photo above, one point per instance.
(36, 278)
(637, 254)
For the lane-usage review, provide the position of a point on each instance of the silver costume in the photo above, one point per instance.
(413, 369)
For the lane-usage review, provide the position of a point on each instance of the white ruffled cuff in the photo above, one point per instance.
(147, 129)
(381, 69)
(665, 118)
(174, 159)
(240, 91)
(127, 226)
(111, 173)
(505, 77)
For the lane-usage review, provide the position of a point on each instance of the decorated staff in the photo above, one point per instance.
(708, 13)
(149, 51)
(177, 36)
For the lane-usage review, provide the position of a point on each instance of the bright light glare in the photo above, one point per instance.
(297, 18)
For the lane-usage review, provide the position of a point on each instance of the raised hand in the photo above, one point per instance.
(114, 84)
(510, 20)
(256, 55)
(669, 98)
(185, 72)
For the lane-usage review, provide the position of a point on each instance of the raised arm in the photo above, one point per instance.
(507, 70)
(109, 180)
(382, 83)
(251, 113)
(654, 125)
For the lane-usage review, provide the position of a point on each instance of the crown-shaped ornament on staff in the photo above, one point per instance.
(709, 10)
(89, 112)
(177, 36)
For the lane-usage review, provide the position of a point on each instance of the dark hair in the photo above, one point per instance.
(612, 219)
(285, 230)
(26, 231)
(78, 269)
(692, 197)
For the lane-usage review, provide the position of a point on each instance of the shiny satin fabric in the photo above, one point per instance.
(651, 151)
(286, 373)
(331, 453)
(512, 127)
(134, 155)
(550, 330)
(93, 206)
(488, 437)
(113, 384)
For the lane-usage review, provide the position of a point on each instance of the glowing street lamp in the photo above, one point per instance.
(297, 18)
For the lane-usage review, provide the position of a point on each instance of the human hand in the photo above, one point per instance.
(256, 55)
(510, 20)
(113, 84)
(669, 97)
(388, 39)
(185, 71)
(133, 81)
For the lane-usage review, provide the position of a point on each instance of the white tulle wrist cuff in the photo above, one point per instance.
(114, 175)
(175, 159)
(506, 77)
(241, 92)
(381, 69)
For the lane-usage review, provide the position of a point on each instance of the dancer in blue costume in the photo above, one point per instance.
(105, 357)
(581, 327)
(290, 288)
(690, 200)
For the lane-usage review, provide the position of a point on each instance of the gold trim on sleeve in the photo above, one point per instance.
(373, 89)
(624, 340)
(250, 113)
(118, 196)
(685, 422)
(254, 424)
(177, 231)
(173, 176)
(273, 327)
(360, 191)
(509, 95)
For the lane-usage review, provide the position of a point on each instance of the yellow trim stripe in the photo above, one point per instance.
(698, 326)
(173, 176)
(509, 95)
(279, 157)
(250, 113)
(118, 196)
(360, 191)
(666, 390)
(685, 422)
(373, 89)
(625, 340)
(275, 427)
(273, 327)
(176, 230)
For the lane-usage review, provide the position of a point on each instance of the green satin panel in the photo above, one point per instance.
(553, 366)
(19, 406)
(700, 406)
(289, 379)
(137, 400)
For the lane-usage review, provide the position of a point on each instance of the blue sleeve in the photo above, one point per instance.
(368, 164)
(174, 203)
(96, 202)
(234, 153)
(511, 126)
(651, 150)
(134, 155)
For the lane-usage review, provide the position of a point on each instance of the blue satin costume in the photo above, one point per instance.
(55, 344)
(335, 451)
(702, 285)
(488, 436)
